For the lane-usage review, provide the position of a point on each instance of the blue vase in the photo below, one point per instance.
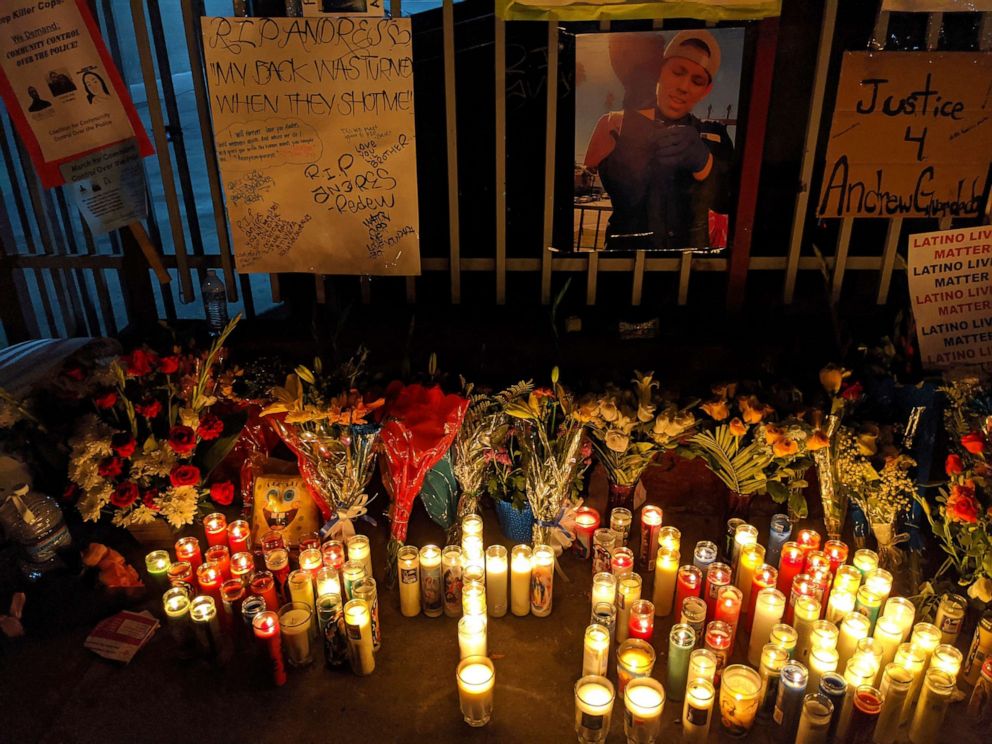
(516, 524)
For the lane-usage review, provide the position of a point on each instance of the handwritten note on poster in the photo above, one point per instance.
(911, 136)
(950, 282)
(314, 128)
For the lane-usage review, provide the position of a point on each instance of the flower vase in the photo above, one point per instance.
(516, 524)
(889, 554)
(833, 494)
(738, 506)
(620, 495)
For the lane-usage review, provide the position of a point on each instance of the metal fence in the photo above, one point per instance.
(57, 279)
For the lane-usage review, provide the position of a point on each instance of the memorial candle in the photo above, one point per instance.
(181, 573)
(867, 704)
(300, 586)
(641, 623)
(651, 517)
(950, 617)
(860, 671)
(824, 635)
(768, 611)
(542, 580)
(603, 541)
(697, 711)
(773, 659)
(644, 699)
(807, 612)
(928, 719)
(681, 640)
(808, 540)
(175, 604)
(902, 611)
(593, 708)
(980, 648)
(666, 568)
(926, 637)
(765, 577)
(206, 626)
(779, 531)
(865, 560)
(834, 686)
(744, 535)
(232, 594)
(496, 560)
(296, 621)
(473, 552)
(157, 564)
(837, 551)
(702, 665)
(840, 605)
(740, 691)
(913, 659)
(188, 549)
(789, 703)
(209, 579)
(239, 536)
(309, 541)
(728, 538)
(332, 553)
(220, 556)
(277, 561)
(717, 576)
(847, 579)
(475, 678)
(728, 608)
(472, 525)
(620, 521)
(895, 687)
(821, 661)
(263, 584)
(628, 592)
(451, 579)
(635, 659)
(472, 636)
(789, 566)
(351, 574)
(272, 539)
(606, 615)
(358, 621)
(586, 523)
(888, 635)
(879, 581)
(868, 604)
(408, 569)
(670, 538)
(947, 659)
(621, 561)
(694, 615)
(688, 583)
(704, 554)
(814, 721)
(311, 561)
(242, 565)
(360, 551)
(520, 568)
(604, 588)
(718, 639)
(265, 626)
(215, 527)
(870, 650)
(431, 595)
(751, 559)
(596, 650)
(327, 581)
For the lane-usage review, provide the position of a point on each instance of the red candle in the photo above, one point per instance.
(181, 572)
(233, 593)
(688, 583)
(821, 579)
(239, 536)
(586, 522)
(277, 561)
(802, 586)
(728, 607)
(790, 563)
(622, 561)
(816, 560)
(837, 552)
(641, 623)
(215, 525)
(220, 555)
(209, 578)
(188, 549)
(272, 539)
(311, 561)
(808, 540)
(263, 584)
(717, 576)
(266, 628)
(242, 564)
(310, 541)
(765, 577)
(333, 553)
(651, 517)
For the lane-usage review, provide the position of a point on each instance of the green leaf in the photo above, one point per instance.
(222, 446)
(797, 502)
(777, 491)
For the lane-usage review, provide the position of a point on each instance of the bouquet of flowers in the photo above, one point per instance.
(156, 433)
(962, 521)
(550, 440)
(628, 428)
(334, 442)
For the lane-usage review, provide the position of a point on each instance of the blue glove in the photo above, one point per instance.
(680, 147)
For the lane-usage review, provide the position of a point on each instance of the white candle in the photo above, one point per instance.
(697, 711)
(542, 579)
(328, 582)
(471, 525)
(644, 699)
(496, 580)
(295, 620)
(628, 592)
(360, 552)
(879, 582)
(596, 651)
(912, 660)
(593, 707)
(807, 612)
(903, 611)
(860, 671)
(938, 690)
(666, 568)
(473, 551)
(408, 564)
(821, 661)
(300, 585)
(947, 659)
(744, 535)
(888, 634)
(476, 677)
(472, 633)
(431, 596)
(896, 685)
(853, 628)
(520, 568)
(752, 558)
(474, 599)
(451, 579)
(840, 605)
(604, 588)
(768, 610)
(358, 621)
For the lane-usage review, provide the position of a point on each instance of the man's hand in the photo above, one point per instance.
(680, 147)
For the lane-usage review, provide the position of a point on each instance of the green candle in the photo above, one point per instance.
(680, 644)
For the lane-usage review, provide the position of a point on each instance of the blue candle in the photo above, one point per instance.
(834, 686)
(789, 704)
(704, 554)
(779, 532)
(681, 641)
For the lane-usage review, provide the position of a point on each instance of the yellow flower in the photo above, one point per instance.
(773, 434)
(617, 441)
(645, 412)
(717, 409)
(586, 411)
(831, 378)
(737, 427)
(785, 447)
(608, 410)
(817, 440)
(752, 409)
(867, 440)
(288, 398)
(981, 589)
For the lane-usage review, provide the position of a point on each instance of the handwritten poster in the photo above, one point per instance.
(344, 8)
(108, 187)
(61, 88)
(950, 283)
(911, 136)
(313, 121)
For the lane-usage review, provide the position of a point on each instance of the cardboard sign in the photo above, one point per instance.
(950, 282)
(911, 136)
(313, 121)
(108, 187)
(61, 88)
(339, 8)
(604, 10)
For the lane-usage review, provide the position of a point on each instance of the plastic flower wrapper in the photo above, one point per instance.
(419, 426)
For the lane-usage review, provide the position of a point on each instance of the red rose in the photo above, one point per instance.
(210, 427)
(139, 363)
(149, 410)
(953, 465)
(962, 505)
(124, 495)
(185, 475)
(853, 391)
(110, 467)
(168, 365)
(182, 439)
(71, 493)
(148, 496)
(123, 444)
(74, 373)
(222, 493)
(973, 442)
(105, 400)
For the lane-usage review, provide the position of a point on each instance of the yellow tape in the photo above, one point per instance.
(605, 10)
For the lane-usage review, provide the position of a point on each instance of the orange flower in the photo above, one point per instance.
(752, 409)
(717, 409)
(773, 434)
(724, 390)
(817, 440)
(785, 447)
(737, 427)
(962, 506)
(831, 377)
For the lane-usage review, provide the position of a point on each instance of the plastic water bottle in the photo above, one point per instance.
(34, 521)
(214, 302)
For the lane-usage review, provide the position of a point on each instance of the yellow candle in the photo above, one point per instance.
(628, 592)
(520, 567)
(769, 606)
(903, 612)
(471, 525)
(744, 535)
(593, 707)
(300, 586)
(157, 562)
(888, 634)
(472, 635)
(474, 599)
(496, 580)
(604, 588)
(476, 678)
(328, 581)
(947, 659)
(751, 559)
(670, 538)
(596, 651)
(823, 635)
(702, 664)
(542, 580)
(697, 711)
(408, 568)
(807, 612)
(865, 561)
(740, 688)
(635, 659)
(821, 661)
(840, 605)
(913, 661)
(644, 699)
(926, 637)
(431, 596)
(473, 552)
(847, 579)
(358, 620)
(666, 568)
(360, 551)
(853, 628)
(879, 581)
(871, 650)
(785, 637)
(860, 671)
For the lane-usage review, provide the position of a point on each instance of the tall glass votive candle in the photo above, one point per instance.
(360, 551)
(719, 639)
(242, 566)
(239, 536)
(295, 621)
(367, 590)
(802, 586)
(641, 622)
(888, 635)
(496, 583)
(594, 697)
(232, 594)
(717, 576)
(870, 650)
(327, 581)
(215, 528)
(309, 541)
(475, 678)
(628, 592)
(157, 564)
(358, 622)
(209, 580)
(666, 569)
(867, 704)
(694, 615)
(181, 573)
(928, 719)
(651, 517)
(697, 711)
(773, 659)
(332, 552)
(311, 560)
(751, 559)
(814, 721)
(621, 561)
(277, 561)
(913, 659)
(620, 522)
(431, 585)
(265, 626)
(702, 664)
(472, 632)
(451, 579)
(520, 570)
(903, 611)
(824, 635)
(603, 542)
(681, 641)
(688, 583)
(408, 570)
(926, 637)
(779, 531)
(868, 604)
(784, 636)
(790, 565)
(704, 554)
(808, 540)
(644, 700)
(740, 691)
(895, 687)
(271, 539)
(766, 577)
(586, 523)
(206, 626)
(947, 659)
(807, 612)
(980, 648)
(473, 552)
(950, 617)
(542, 580)
(865, 560)
(840, 605)
(635, 658)
(834, 686)
(846, 579)
(220, 556)
(879, 581)
(263, 584)
(352, 573)
(744, 535)
(860, 671)
(728, 608)
(188, 549)
(837, 551)
(472, 526)
(605, 614)
(821, 661)
(596, 650)
(604, 588)
(670, 538)
(789, 702)
(816, 560)
(728, 538)
(474, 599)
(175, 604)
